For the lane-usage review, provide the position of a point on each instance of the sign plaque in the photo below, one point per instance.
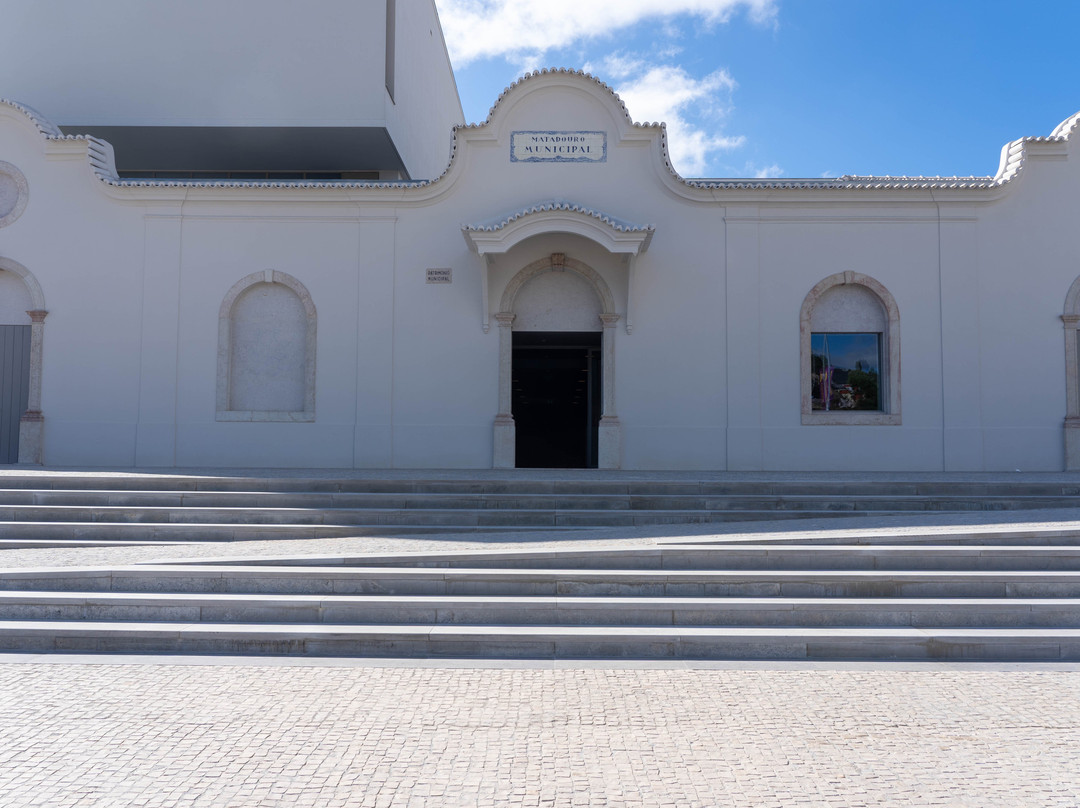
(440, 275)
(558, 147)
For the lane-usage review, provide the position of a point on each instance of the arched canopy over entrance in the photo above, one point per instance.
(617, 236)
(611, 233)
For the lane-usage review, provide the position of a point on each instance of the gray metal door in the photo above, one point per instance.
(14, 387)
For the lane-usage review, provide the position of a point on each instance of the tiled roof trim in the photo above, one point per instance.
(44, 126)
(101, 159)
(546, 207)
(99, 152)
(1013, 162)
(847, 182)
(1064, 129)
(135, 183)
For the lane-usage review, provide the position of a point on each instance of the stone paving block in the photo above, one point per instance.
(210, 735)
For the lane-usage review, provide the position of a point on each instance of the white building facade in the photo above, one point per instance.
(551, 294)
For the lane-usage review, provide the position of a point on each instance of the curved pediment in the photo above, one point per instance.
(563, 78)
(504, 233)
(99, 153)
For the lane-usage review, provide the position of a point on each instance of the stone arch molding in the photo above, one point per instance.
(610, 431)
(557, 263)
(32, 422)
(889, 415)
(32, 285)
(227, 370)
(1071, 321)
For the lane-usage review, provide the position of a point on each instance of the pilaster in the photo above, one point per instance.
(505, 433)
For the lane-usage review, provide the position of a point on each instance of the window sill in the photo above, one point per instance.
(850, 418)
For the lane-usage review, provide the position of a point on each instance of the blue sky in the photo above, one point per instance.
(796, 88)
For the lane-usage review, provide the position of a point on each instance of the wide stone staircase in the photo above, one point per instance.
(1001, 592)
(998, 595)
(102, 508)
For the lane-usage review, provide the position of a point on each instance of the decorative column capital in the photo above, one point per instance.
(1070, 319)
(32, 415)
(37, 316)
(609, 320)
(505, 319)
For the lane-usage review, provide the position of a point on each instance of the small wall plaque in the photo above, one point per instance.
(440, 275)
(558, 147)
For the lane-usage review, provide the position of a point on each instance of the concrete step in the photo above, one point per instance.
(652, 642)
(290, 518)
(39, 544)
(543, 482)
(483, 517)
(974, 535)
(60, 533)
(716, 557)
(502, 611)
(838, 499)
(552, 582)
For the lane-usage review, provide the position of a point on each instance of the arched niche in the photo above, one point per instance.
(266, 350)
(850, 304)
(602, 306)
(32, 422)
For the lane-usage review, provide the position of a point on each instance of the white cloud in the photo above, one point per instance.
(767, 172)
(667, 93)
(524, 30)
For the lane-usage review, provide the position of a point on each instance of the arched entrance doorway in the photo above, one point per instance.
(556, 369)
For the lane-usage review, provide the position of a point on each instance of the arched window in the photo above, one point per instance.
(849, 331)
(266, 350)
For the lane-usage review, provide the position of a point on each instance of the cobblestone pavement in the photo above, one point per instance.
(257, 734)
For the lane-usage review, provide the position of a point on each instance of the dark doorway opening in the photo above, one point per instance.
(14, 387)
(557, 398)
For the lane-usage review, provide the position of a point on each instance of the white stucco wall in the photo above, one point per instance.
(709, 378)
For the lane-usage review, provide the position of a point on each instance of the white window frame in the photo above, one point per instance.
(889, 395)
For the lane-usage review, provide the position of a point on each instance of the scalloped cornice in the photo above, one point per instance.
(99, 152)
(615, 235)
(44, 126)
(1064, 129)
